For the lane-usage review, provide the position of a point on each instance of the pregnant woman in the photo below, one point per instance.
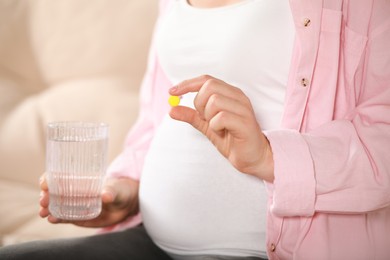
(279, 148)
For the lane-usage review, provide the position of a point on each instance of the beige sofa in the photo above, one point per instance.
(62, 60)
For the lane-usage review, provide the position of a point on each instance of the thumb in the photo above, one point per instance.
(190, 116)
(109, 194)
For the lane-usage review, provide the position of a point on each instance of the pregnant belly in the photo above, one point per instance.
(193, 200)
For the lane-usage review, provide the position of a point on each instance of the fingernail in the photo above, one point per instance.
(109, 193)
(173, 89)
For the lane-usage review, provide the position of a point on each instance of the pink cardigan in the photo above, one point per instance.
(331, 194)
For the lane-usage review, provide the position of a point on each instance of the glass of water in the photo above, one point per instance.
(76, 161)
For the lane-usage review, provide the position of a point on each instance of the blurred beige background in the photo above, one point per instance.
(62, 60)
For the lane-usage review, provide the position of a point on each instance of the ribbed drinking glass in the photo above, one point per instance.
(76, 159)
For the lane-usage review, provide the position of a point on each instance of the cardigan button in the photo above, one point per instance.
(273, 247)
(304, 82)
(306, 22)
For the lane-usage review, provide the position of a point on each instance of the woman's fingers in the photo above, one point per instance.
(119, 200)
(208, 87)
(218, 103)
(44, 199)
(55, 220)
(189, 116)
(224, 114)
(43, 182)
(214, 96)
(190, 85)
(214, 90)
(44, 212)
(109, 194)
(224, 121)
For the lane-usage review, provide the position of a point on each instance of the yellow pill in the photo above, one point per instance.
(174, 101)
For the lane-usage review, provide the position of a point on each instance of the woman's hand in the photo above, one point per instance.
(119, 201)
(225, 116)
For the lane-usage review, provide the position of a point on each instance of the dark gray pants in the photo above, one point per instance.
(130, 244)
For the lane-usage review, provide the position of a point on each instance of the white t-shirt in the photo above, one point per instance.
(193, 201)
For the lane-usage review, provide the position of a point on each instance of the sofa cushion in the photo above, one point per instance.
(19, 203)
(39, 229)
